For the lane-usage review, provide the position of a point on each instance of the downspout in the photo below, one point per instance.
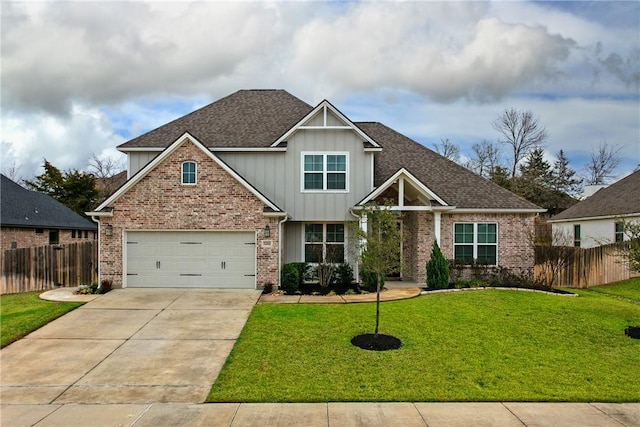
(280, 234)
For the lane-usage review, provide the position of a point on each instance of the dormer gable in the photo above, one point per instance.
(327, 117)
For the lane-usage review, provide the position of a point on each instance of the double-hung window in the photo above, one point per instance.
(188, 173)
(619, 233)
(476, 242)
(324, 243)
(577, 235)
(325, 171)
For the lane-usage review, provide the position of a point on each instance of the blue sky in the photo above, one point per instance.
(81, 78)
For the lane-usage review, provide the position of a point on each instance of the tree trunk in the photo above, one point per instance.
(378, 280)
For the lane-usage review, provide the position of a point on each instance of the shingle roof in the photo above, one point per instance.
(620, 198)
(29, 209)
(247, 118)
(456, 185)
(257, 118)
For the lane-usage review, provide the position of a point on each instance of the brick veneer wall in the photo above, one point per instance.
(27, 237)
(515, 234)
(159, 201)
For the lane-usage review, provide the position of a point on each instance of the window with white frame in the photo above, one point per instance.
(189, 173)
(325, 171)
(324, 242)
(476, 241)
(619, 233)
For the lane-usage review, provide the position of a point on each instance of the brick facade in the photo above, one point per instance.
(27, 237)
(159, 201)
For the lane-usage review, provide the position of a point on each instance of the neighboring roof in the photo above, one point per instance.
(102, 210)
(29, 209)
(621, 198)
(456, 185)
(247, 118)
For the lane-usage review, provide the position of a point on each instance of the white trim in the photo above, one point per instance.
(249, 149)
(195, 164)
(437, 226)
(325, 106)
(166, 153)
(594, 218)
(345, 257)
(402, 172)
(325, 172)
(138, 149)
(100, 214)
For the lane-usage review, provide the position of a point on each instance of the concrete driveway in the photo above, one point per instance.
(128, 346)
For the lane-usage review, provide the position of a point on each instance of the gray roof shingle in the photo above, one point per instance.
(453, 183)
(257, 118)
(247, 118)
(620, 198)
(23, 208)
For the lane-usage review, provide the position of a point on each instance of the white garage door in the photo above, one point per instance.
(190, 259)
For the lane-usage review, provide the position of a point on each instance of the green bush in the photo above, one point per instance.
(289, 278)
(370, 281)
(344, 274)
(437, 269)
(303, 271)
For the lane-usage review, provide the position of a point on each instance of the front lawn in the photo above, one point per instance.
(629, 289)
(492, 345)
(23, 313)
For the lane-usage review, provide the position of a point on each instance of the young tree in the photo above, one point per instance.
(379, 247)
(602, 163)
(74, 189)
(522, 131)
(448, 150)
(437, 269)
(630, 251)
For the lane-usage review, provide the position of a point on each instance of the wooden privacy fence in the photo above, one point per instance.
(580, 268)
(45, 267)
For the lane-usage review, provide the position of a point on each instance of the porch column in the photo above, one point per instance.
(436, 226)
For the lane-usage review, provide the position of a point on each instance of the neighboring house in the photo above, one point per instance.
(227, 194)
(29, 218)
(598, 220)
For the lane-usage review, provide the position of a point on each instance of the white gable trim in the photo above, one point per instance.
(403, 173)
(186, 137)
(325, 107)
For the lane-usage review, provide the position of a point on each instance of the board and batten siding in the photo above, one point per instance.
(139, 159)
(278, 175)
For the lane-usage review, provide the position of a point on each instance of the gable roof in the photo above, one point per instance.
(621, 198)
(100, 210)
(451, 182)
(24, 208)
(247, 118)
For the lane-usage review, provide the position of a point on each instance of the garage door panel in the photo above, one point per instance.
(191, 259)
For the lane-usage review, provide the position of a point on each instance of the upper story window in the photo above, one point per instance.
(476, 241)
(189, 173)
(325, 171)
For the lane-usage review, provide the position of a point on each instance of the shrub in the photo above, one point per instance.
(289, 278)
(303, 271)
(437, 269)
(325, 274)
(370, 281)
(344, 274)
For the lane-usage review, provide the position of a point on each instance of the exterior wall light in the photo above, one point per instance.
(267, 231)
(108, 230)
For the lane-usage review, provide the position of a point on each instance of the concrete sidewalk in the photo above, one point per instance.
(327, 414)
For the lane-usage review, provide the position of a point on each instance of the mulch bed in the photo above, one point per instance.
(632, 332)
(380, 342)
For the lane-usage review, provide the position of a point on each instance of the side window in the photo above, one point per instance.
(54, 237)
(576, 235)
(619, 233)
(189, 173)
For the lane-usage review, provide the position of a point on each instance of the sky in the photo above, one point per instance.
(78, 78)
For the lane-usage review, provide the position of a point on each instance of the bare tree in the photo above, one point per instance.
(602, 163)
(448, 150)
(522, 131)
(13, 173)
(486, 158)
(103, 169)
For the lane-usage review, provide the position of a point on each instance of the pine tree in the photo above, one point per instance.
(437, 269)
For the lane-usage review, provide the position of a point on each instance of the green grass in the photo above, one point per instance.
(629, 289)
(489, 345)
(23, 313)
